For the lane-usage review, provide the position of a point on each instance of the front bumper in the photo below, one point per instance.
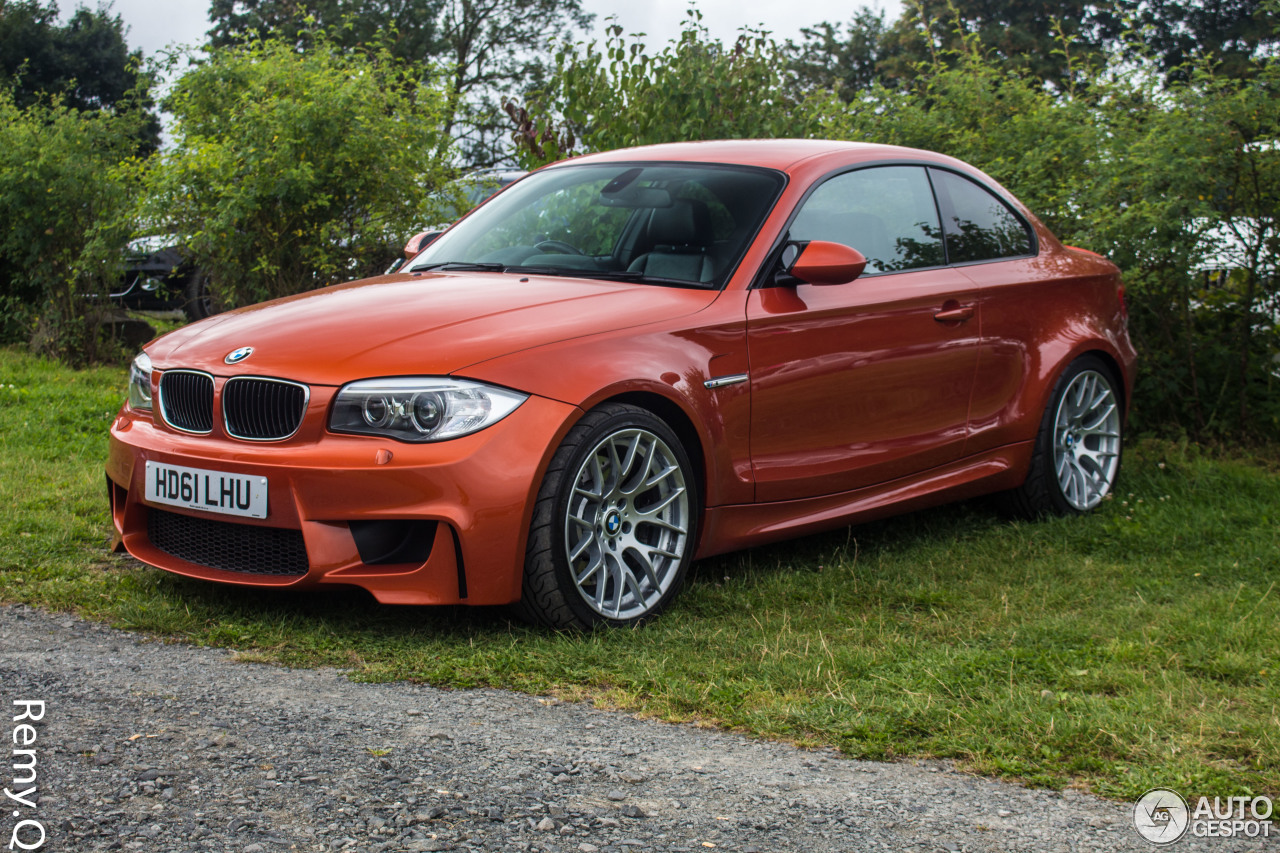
(477, 490)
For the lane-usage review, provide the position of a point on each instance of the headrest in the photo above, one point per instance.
(687, 222)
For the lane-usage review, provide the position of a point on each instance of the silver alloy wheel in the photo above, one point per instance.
(1086, 439)
(626, 524)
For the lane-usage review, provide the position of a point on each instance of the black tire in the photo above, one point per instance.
(197, 300)
(1073, 468)
(634, 506)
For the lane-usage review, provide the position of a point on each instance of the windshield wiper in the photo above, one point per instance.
(462, 266)
(636, 275)
(607, 275)
(566, 272)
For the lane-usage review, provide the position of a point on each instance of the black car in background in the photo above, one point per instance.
(160, 276)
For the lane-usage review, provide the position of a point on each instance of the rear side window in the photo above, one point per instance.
(886, 213)
(979, 226)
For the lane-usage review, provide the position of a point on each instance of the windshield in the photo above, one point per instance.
(663, 223)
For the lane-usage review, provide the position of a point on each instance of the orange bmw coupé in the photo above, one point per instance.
(625, 362)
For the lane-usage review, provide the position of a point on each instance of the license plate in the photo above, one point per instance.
(211, 491)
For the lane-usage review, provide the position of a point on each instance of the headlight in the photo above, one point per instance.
(420, 408)
(140, 382)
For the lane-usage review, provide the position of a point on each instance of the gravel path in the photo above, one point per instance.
(162, 747)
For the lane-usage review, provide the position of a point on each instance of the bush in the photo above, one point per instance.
(291, 170)
(68, 183)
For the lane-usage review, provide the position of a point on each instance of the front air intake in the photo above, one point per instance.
(228, 546)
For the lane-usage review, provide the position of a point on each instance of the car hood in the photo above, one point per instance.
(421, 324)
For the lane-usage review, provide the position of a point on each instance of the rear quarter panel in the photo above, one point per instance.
(1038, 315)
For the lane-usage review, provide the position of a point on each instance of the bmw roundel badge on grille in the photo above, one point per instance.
(238, 355)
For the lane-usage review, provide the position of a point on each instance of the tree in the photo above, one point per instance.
(86, 62)
(1055, 40)
(1050, 40)
(1234, 33)
(408, 28)
(842, 58)
(695, 88)
(485, 49)
(291, 170)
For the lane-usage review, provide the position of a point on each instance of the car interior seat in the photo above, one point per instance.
(680, 238)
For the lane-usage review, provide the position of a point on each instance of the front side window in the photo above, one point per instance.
(887, 213)
(979, 226)
(683, 224)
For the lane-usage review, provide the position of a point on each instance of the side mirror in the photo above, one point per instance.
(821, 262)
(418, 242)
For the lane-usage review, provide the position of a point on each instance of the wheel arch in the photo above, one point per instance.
(1117, 373)
(1123, 384)
(1041, 491)
(678, 419)
(1049, 381)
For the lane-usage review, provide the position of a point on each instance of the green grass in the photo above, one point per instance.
(1136, 647)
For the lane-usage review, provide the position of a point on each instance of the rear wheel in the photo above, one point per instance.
(1077, 451)
(615, 524)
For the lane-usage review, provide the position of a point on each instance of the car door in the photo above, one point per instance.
(862, 383)
(1022, 298)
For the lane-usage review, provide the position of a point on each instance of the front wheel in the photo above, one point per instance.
(1077, 451)
(615, 524)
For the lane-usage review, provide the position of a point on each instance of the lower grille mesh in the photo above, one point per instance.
(228, 546)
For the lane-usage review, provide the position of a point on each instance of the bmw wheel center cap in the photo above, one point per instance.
(238, 355)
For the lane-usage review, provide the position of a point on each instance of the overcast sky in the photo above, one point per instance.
(153, 24)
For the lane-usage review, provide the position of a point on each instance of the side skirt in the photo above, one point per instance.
(729, 528)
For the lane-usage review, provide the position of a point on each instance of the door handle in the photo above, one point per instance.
(957, 314)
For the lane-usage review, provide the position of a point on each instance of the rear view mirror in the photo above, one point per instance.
(637, 198)
(821, 262)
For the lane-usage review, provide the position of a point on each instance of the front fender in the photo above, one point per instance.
(670, 360)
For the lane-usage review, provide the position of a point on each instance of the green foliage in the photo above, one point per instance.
(84, 62)
(295, 169)
(1191, 192)
(68, 181)
(695, 88)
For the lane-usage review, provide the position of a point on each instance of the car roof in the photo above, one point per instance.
(783, 154)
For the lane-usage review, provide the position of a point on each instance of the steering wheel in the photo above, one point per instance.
(560, 246)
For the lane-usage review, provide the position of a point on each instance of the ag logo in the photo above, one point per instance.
(1161, 816)
(238, 355)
